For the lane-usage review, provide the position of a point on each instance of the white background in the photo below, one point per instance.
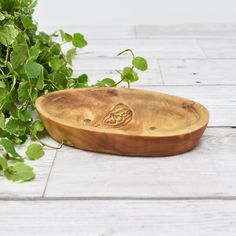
(134, 12)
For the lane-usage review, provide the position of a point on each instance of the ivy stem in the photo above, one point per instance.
(11, 89)
(118, 83)
(7, 55)
(43, 143)
(123, 78)
(25, 106)
(53, 84)
(127, 50)
(2, 71)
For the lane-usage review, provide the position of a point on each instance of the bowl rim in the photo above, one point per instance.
(200, 124)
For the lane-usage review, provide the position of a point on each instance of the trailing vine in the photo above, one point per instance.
(31, 64)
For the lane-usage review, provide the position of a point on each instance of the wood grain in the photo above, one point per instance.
(120, 218)
(153, 48)
(123, 121)
(198, 72)
(96, 32)
(184, 31)
(219, 49)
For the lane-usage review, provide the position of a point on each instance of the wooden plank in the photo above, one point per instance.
(202, 92)
(41, 167)
(33, 188)
(219, 48)
(192, 72)
(101, 68)
(147, 48)
(96, 32)
(121, 218)
(193, 31)
(150, 77)
(173, 72)
(207, 171)
(107, 63)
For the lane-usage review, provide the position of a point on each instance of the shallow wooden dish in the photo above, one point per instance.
(123, 121)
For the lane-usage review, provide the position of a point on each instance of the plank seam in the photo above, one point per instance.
(162, 77)
(200, 46)
(226, 198)
(46, 185)
(135, 32)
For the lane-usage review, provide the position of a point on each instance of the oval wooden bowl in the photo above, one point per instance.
(123, 121)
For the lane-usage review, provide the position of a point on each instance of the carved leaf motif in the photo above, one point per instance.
(119, 116)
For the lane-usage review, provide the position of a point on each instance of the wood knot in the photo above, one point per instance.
(188, 106)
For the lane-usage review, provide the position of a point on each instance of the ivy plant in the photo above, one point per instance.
(32, 63)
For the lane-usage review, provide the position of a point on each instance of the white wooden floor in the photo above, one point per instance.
(83, 193)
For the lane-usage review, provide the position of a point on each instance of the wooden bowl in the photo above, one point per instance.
(123, 121)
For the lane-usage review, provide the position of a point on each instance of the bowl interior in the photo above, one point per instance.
(123, 110)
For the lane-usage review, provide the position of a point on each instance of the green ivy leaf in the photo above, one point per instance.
(3, 163)
(2, 121)
(29, 4)
(56, 49)
(33, 69)
(19, 172)
(70, 54)
(81, 81)
(20, 139)
(37, 126)
(8, 5)
(14, 126)
(40, 82)
(3, 94)
(65, 36)
(43, 38)
(2, 84)
(23, 91)
(35, 50)
(107, 82)
(8, 34)
(62, 34)
(25, 115)
(56, 63)
(34, 94)
(79, 40)
(68, 37)
(19, 54)
(9, 148)
(130, 75)
(11, 124)
(35, 151)
(140, 63)
(27, 22)
(2, 17)
(60, 79)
